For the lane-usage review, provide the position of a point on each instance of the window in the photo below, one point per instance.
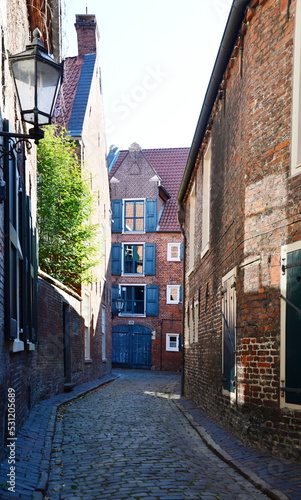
(172, 342)
(191, 227)
(174, 251)
(296, 111)
(173, 294)
(134, 216)
(290, 365)
(206, 201)
(20, 281)
(86, 316)
(103, 332)
(133, 297)
(139, 300)
(132, 259)
(229, 331)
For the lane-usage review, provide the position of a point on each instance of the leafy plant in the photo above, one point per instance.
(67, 238)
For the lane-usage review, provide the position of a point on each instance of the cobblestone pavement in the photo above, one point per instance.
(129, 441)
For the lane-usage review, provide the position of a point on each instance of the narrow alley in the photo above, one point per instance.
(128, 440)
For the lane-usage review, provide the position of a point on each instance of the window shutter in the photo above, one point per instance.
(116, 216)
(180, 342)
(116, 259)
(31, 276)
(293, 325)
(151, 215)
(115, 289)
(152, 300)
(181, 294)
(12, 251)
(181, 251)
(150, 259)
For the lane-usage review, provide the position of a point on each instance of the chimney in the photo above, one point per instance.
(87, 33)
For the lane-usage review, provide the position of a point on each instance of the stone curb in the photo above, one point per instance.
(41, 488)
(251, 476)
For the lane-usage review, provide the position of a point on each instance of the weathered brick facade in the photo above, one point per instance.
(50, 337)
(237, 359)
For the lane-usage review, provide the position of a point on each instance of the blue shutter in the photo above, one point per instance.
(152, 300)
(181, 294)
(151, 215)
(181, 251)
(116, 216)
(150, 259)
(116, 258)
(115, 289)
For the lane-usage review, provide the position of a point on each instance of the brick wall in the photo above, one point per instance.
(253, 207)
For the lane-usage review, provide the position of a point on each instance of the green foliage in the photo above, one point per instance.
(67, 243)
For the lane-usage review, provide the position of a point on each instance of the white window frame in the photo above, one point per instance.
(86, 312)
(124, 200)
(285, 249)
(170, 251)
(168, 290)
(192, 204)
(103, 334)
(130, 314)
(168, 342)
(230, 275)
(206, 201)
(123, 273)
(296, 98)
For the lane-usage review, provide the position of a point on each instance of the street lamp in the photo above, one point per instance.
(37, 78)
(119, 303)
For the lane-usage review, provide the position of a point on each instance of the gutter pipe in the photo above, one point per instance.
(235, 19)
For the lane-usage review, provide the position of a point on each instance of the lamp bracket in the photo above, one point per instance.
(15, 144)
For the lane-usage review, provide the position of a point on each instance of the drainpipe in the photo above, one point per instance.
(181, 218)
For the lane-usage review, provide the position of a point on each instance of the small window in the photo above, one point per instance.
(173, 294)
(133, 259)
(172, 342)
(134, 299)
(173, 251)
(134, 216)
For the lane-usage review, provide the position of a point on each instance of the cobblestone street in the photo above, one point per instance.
(128, 440)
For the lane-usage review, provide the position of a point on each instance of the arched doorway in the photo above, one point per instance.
(131, 346)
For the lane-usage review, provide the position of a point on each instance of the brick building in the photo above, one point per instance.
(146, 257)
(75, 327)
(18, 263)
(240, 210)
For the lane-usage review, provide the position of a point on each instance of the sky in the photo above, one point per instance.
(156, 60)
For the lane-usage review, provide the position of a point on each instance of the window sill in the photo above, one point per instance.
(31, 346)
(17, 346)
(88, 361)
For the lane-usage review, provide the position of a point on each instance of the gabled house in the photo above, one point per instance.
(81, 338)
(240, 211)
(146, 257)
(18, 199)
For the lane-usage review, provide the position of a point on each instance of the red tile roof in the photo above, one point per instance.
(64, 103)
(169, 163)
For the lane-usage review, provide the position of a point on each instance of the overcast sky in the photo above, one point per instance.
(156, 61)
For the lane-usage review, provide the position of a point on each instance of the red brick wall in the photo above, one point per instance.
(253, 204)
(170, 315)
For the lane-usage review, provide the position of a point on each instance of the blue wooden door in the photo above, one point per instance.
(131, 346)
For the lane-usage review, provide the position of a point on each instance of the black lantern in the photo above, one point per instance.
(37, 78)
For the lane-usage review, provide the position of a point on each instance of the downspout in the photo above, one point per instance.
(181, 218)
